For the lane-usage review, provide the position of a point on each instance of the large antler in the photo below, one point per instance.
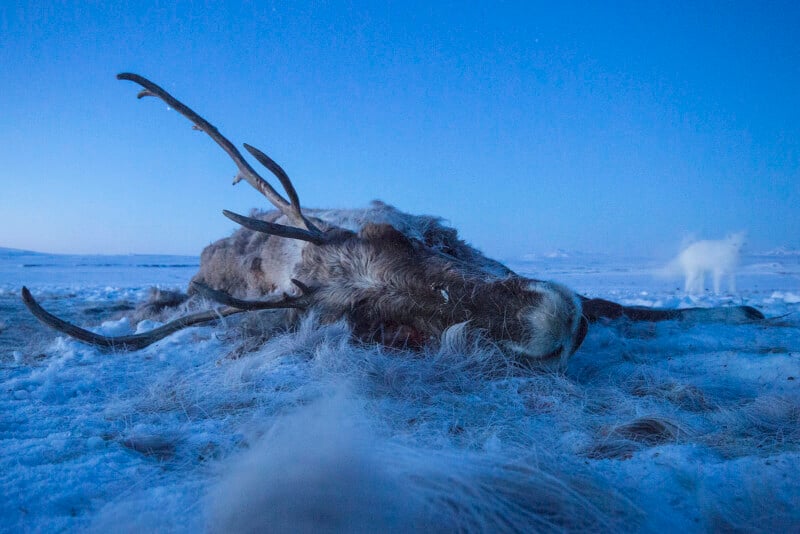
(305, 230)
(140, 341)
(131, 342)
(288, 301)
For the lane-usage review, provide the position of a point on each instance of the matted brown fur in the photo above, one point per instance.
(396, 278)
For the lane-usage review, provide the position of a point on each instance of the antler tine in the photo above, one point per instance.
(291, 210)
(275, 229)
(288, 301)
(287, 184)
(280, 174)
(131, 342)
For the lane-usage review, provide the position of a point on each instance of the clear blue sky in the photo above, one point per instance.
(603, 127)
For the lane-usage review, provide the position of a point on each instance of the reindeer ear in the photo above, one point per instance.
(384, 234)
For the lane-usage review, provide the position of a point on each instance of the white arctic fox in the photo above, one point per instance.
(718, 257)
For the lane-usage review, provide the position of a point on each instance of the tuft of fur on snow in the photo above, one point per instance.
(326, 468)
(388, 452)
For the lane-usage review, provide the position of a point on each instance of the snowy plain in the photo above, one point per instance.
(650, 428)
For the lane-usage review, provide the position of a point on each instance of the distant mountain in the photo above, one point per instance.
(781, 252)
(17, 252)
(7, 252)
(560, 254)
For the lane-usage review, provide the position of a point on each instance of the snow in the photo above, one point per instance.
(651, 427)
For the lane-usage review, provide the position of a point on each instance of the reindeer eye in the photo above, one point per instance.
(442, 291)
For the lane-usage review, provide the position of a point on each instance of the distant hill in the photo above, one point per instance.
(781, 251)
(7, 252)
(4, 251)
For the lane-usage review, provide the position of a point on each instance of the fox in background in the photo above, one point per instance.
(719, 257)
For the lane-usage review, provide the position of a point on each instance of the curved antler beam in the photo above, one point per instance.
(124, 343)
(291, 208)
(288, 301)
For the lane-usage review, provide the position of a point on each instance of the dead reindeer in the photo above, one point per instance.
(397, 279)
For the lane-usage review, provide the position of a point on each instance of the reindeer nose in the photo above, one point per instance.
(555, 324)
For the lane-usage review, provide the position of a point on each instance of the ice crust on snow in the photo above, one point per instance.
(651, 427)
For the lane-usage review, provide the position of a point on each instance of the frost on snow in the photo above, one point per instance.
(651, 427)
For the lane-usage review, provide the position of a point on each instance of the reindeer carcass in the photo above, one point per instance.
(397, 279)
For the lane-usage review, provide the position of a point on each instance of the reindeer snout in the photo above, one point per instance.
(554, 325)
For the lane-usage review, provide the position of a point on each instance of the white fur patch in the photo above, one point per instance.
(554, 321)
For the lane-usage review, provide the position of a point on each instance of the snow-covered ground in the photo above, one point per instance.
(661, 427)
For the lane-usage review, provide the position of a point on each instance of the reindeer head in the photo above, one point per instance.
(399, 291)
(392, 288)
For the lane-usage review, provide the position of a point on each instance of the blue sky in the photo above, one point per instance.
(619, 128)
